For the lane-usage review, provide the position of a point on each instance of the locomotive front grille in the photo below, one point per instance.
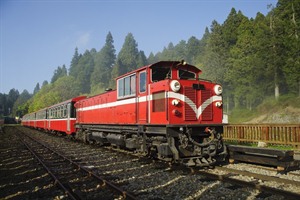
(206, 103)
(190, 97)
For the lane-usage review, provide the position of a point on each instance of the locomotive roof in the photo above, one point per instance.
(178, 64)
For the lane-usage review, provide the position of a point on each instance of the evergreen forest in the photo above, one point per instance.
(253, 58)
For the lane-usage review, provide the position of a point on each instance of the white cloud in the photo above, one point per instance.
(83, 40)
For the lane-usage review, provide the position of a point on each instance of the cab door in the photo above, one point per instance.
(142, 94)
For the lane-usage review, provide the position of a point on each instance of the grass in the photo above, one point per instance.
(268, 106)
(242, 115)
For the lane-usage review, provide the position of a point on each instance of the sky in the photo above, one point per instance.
(37, 36)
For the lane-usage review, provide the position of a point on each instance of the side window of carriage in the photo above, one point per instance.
(127, 86)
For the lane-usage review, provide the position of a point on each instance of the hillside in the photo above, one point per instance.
(288, 115)
(285, 110)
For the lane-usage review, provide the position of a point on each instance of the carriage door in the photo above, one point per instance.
(68, 117)
(49, 118)
(142, 98)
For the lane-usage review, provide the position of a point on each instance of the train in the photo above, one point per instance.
(163, 110)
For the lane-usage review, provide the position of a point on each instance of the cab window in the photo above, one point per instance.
(127, 86)
(185, 74)
(161, 73)
(142, 82)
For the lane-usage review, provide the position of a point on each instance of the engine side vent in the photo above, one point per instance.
(158, 102)
(206, 103)
(190, 104)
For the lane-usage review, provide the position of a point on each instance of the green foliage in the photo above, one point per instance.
(85, 68)
(268, 106)
(104, 61)
(45, 83)
(127, 60)
(142, 59)
(152, 58)
(20, 107)
(283, 101)
(3, 105)
(7, 102)
(64, 88)
(73, 71)
(128, 56)
(240, 115)
(287, 19)
(59, 72)
(37, 88)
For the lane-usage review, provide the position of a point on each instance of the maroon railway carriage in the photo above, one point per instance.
(62, 116)
(40, 121)
(162, 109)
(29, 120)
(57, 118)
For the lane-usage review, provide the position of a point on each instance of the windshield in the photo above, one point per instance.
(160, 73)
(185, 74)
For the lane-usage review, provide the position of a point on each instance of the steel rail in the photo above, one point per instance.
(70, 193)
(259, 176)
(252, 184)
(126, 195)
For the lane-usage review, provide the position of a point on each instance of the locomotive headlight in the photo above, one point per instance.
(175, 102)
(219, 104)
(175, 85)
(218, 89)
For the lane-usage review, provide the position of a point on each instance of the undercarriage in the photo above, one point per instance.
(188, 145)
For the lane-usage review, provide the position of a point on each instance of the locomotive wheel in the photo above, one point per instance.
(81, 135)
(152, 152)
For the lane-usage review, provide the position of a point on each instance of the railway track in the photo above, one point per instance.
(148, 179)
(270, 184)
(20, 175)
(76, 180)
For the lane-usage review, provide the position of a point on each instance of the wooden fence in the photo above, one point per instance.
(269, 133)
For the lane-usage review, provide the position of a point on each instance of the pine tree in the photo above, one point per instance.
(215, 55)
(152, 58)
(12, 96)
(19, 109)
(36, 88)
(142, 60)
(128, 56)
(203, 46)
(85, 69)
(45, 83)
(59, 72)
(246, 73)
(104, 61)
(3, 105)
(73, 71)
(192, 50)
(263, 58)
(181, 51)
(286, 19)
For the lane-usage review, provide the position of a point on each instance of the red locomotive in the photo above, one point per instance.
(163, 110)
